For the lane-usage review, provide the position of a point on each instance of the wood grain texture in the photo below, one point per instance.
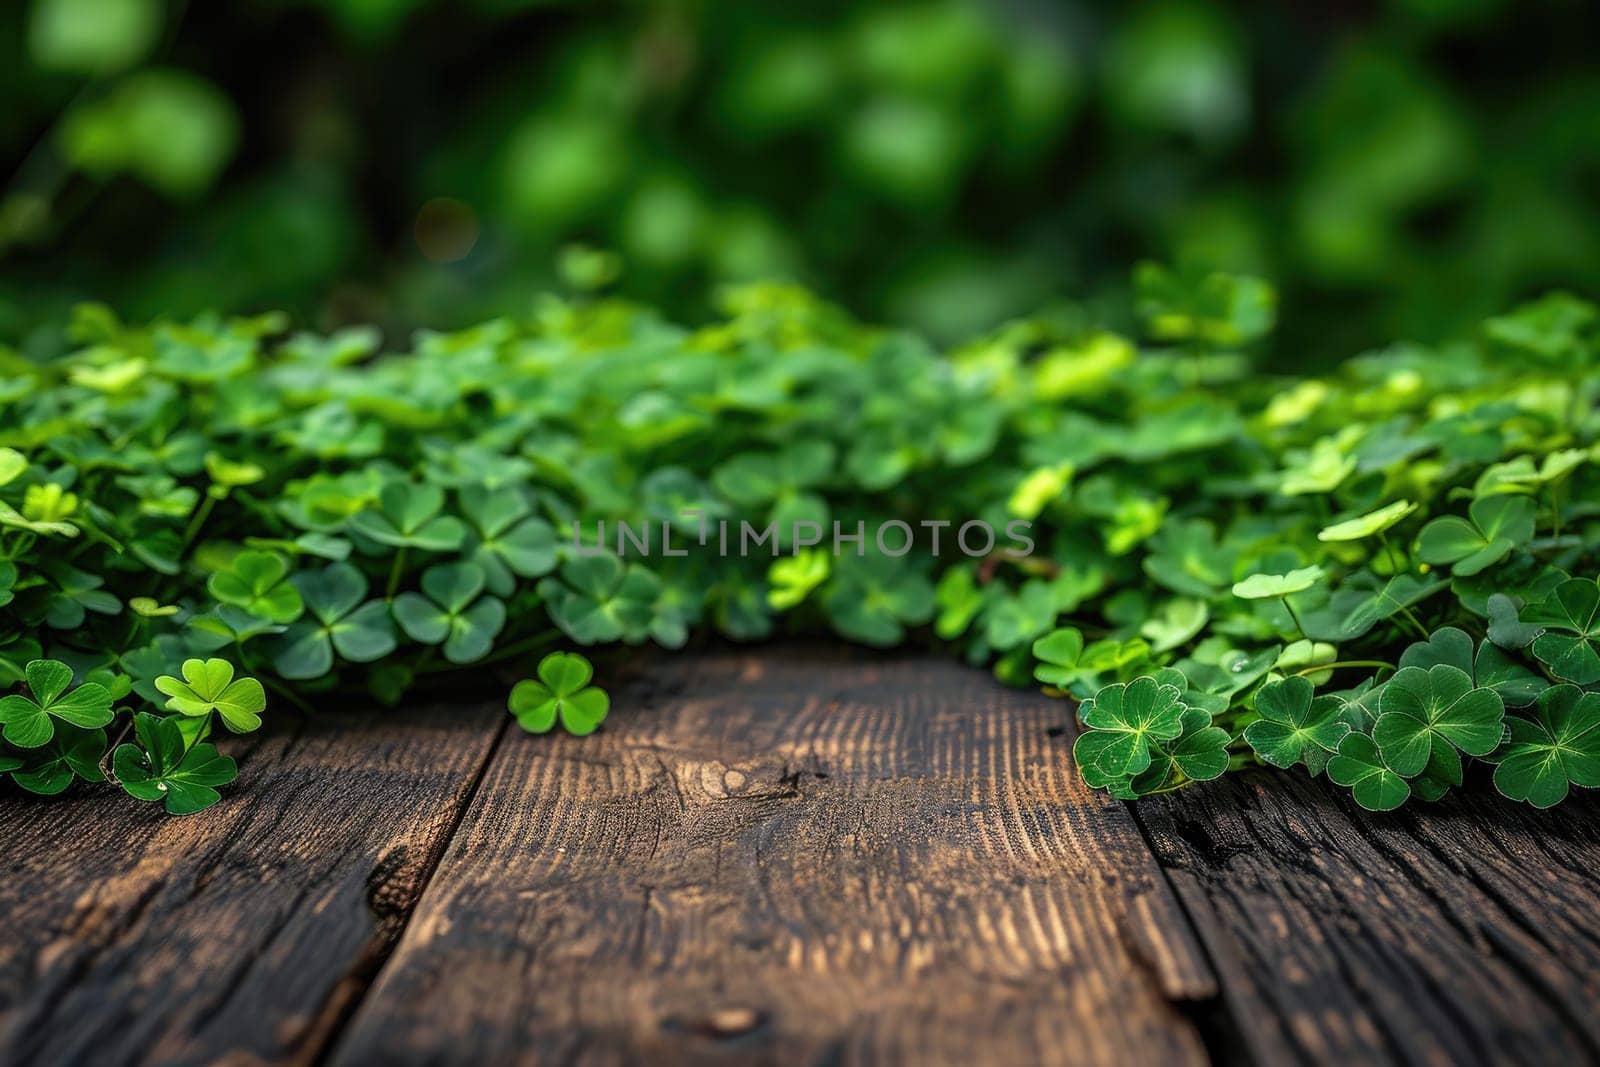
(1457, 933)
(780, 858)
(240, 935)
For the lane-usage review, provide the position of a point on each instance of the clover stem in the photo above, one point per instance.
(196, 520)
(271, 683)
(395, 570)
(526, 644)
(1555, 506)
(1298, 625)
(1411, 616)
(1388, 549)
(1336, 664)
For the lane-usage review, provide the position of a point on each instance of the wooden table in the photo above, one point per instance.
(789, 855)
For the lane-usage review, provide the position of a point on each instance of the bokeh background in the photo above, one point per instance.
(1398, 169)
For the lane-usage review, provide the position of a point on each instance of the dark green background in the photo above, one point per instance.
(1398, 169)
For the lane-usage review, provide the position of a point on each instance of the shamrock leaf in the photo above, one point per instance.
(597, 599)
(505, 540)
(1506, 629)
(340, 623)
(1198, 754)
(255, 582)
(208, 685)
(1490, 667)
(449, 611)
(791, 579)
(1571, 617)
(873, 598)
(1496, 525)
(1373, 783)
(1292, 719)
(162, 766)
(785, 480)
(1373, 522)
(562, 692)
(1558, 748)
(72, 753)
(1185, 557)
(408, 517)
(1124, 719)
(1276, 586)
(29, 721)
(1420, 710)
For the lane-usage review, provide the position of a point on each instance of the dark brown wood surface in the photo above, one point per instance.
(783, 855)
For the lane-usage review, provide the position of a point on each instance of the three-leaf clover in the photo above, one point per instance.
(506, 541)
(1124, 719)
(872, 599)
(1360, 767)
(1571, 617)
(1292, 719)
(562, 692)
(1495, 525)
(208, 685)
(71, 753)
(408, 517)
(1420, 710)
(1558, 748)
(29, 720)
(597, 599)
(162, 766)
(339, 623)
(255, 581)
(450, 611)
(1198, 754)
(1277, 586)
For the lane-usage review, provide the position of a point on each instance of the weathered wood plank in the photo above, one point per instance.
(777, 857)
(130, 937)
(1463, 932)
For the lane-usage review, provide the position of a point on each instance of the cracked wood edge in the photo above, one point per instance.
(781, 857)
(1460, 932)
(244, 932)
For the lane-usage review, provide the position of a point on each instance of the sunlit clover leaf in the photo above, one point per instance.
(507, 541)
(71, 753)
(208, 685)
(1559, 748)
(1421, 709)
(29, 720)
(339, 623)
(1292, 719)
(1124, 719)
(1276, 586)
(450, 611)
(960, 599)
(1178, 621)
(255, 581)
(562, 692)
(596, 599)
(1359, 767)
(792, 578)
(1368, 525)
(872, 599)
(1495, 526)
(10, 516)
(1571, 617)
(408, 517)
(163, 767)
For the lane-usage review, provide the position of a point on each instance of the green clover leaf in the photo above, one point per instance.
(1556, 749)
(1186, 558)
(505, 541)
(71, 754)
(1490, 667)
(29, 720)
(1277, 586)
(597, 599)
(255, 581)
(872, 599)
(1292, 719)
(1571, 617)
(1496, 525)
(562, 692)
(1198, 754)
(209, 685)
(1368, 525)
(1420, 710)
(408, 517)
(1359, 767)
(450, 611)
(1124, 719)
(340, 623)
(163, 766)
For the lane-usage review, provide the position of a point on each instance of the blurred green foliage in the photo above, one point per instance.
(1400, 168)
